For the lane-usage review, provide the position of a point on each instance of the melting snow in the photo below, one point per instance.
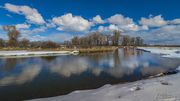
(164, 52)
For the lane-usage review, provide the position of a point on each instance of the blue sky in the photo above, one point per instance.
(157, 21)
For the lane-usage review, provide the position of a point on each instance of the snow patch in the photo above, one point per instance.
(25, 53)
(178, 68)
(167, 52)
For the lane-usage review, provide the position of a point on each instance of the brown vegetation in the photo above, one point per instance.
(100, 39)
(92, 42)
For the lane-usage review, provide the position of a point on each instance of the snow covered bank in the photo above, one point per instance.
(157, 89)
(34, 53)
(170, 52)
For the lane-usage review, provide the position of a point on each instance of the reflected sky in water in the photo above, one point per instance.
(27, 78)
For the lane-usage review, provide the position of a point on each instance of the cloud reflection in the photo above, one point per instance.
(116, 65)
(27, 74)
(68, 68)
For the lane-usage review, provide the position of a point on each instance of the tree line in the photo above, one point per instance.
(89, 40)
(14, 40)
(100, 39)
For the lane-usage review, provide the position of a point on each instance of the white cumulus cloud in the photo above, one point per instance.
(34, 31)
(156, 21)
(120, 20)
(109, 28)
(98, 20)
(175, 21)
(68, 22)
(168, 34)
(22, 26)
(125, 23)
(31, 14)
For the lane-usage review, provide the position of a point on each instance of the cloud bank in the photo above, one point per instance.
(154, 29)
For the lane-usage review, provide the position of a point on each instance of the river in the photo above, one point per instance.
(38, 77)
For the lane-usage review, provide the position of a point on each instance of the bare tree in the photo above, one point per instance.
(13, 35)
(76, 41)
(68, 44)
(126, 40)
(99, 39)
(139, 41)
(24, 43)
(132, 41)
(2, 43)
(108, 39)
(116, 37)
(49, 44)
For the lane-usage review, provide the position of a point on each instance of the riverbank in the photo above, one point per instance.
(25, 53)
(81, 50)
(97, 49)
(5, 53)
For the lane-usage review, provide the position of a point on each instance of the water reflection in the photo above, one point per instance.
(9, 64)
(121, 63)
(67, 67)
(26, 75)
(18, 71)
(64, 74)
(49, 59)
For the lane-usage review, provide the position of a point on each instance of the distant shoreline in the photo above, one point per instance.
(20, 52)
(12, 53)
(81, 50)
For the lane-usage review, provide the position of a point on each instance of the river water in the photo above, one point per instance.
(37, 77)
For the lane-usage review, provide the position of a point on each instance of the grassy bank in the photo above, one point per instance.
(97, 49)
(81, 50)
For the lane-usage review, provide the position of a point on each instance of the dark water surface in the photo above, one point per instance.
(29, 78)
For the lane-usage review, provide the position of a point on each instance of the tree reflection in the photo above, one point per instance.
(117, 60)
(129, 52)
(9, 64)
(139, 52)
(49, 58)
(100, 59)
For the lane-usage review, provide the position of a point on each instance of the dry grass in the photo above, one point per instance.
(81, 50)
(97, 49)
